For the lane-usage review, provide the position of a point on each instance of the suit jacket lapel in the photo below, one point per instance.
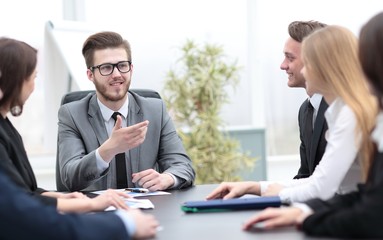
(318, 128)
(134, 116)
(96, 120)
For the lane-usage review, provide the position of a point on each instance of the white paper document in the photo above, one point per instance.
(137, 194)
(135, 203)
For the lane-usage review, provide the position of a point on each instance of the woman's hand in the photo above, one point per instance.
(227, 190)
(275, 217)
(109, 198)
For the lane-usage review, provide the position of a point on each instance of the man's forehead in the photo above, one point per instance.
(292, 47)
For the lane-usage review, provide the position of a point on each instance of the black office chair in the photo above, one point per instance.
(78, 95)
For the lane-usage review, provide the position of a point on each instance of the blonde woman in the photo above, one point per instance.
(331, 68)
(358, 214)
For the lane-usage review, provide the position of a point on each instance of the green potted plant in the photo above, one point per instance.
(194, 92)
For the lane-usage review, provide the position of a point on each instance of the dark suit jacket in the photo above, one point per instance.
(354, 215)
(311, 155)
(82, 130)
(14, 161)
(23, 217)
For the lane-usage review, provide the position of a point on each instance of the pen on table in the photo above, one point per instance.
(137, 190)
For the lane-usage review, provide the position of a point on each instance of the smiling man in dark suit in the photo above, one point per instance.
(312, 125)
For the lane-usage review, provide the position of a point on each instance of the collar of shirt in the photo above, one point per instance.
(315, 100)
(107, 112)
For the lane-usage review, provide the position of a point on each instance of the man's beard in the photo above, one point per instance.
(102, 90)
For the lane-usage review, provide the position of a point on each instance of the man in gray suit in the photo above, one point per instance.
(92, 137)
(313, 141)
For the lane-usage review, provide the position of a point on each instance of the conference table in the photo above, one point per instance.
(175, 224)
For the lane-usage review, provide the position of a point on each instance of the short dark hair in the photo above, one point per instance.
(298, 30)
(18, 60)
(371, 53)
(103, 40)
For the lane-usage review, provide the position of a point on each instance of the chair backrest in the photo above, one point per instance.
(78, 95)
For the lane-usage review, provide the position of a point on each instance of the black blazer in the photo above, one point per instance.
(23, 217)
(311, 155)
(354, 215)
(14, 162)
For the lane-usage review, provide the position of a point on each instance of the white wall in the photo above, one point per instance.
(25, 20)
(252, 31)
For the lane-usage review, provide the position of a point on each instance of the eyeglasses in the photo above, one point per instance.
(106, 69)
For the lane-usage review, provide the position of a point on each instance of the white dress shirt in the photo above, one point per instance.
(377, 134)
(339, 170)
(315, 101)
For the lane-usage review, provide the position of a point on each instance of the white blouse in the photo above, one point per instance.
(339, 170)
(377, 134)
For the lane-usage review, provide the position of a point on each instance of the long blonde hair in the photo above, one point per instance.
(332, 56)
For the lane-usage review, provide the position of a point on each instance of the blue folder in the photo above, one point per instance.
(230, 204)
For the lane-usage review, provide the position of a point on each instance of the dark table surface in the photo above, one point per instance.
(214, 225)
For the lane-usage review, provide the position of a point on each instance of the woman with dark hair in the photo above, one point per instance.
(22, 215)
(18, 62)
(358, 214)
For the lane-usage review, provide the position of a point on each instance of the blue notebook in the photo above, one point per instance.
(230, 204)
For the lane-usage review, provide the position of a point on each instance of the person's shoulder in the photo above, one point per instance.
(339, 106)
(4, 137)
(303, 106)
(340, 112)
(304, 103)
(80, 102)
(79, 107)
(323, 103)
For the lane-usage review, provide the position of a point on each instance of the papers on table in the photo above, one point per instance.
(137, 194)
(134, 202)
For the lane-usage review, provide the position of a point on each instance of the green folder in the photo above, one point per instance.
(217, 205)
